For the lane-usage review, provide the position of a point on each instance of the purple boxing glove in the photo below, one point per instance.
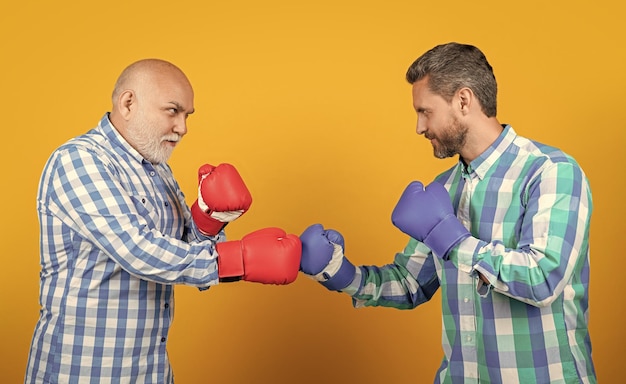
(426, 214)
(323, 259)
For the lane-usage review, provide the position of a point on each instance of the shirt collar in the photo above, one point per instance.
(488, 158)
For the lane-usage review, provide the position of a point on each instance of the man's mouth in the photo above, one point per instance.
(172, 140)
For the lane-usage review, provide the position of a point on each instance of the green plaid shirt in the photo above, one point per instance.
(528, 208)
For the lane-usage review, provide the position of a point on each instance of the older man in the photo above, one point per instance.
(117, 235)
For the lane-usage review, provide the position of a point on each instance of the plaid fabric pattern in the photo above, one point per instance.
(116, 235)
(528, 207)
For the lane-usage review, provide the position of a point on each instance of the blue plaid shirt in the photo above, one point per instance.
(116, 235)
(528, 208)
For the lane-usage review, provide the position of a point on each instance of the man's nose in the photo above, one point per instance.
(181, 126)
(420, 127)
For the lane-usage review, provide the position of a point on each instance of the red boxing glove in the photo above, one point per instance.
(222, 198)
(268, 256)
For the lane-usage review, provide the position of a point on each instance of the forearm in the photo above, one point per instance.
(406, 283)
(127, 239)
(155, 257)
(533, 274)
(387, 287)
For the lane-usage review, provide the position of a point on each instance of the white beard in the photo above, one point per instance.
(153, 148)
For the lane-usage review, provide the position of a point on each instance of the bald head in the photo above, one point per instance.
(143, 73)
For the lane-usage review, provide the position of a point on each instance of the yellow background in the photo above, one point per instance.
(308, 100)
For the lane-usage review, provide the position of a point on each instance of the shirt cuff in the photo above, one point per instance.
(463, 256)
(200, 236)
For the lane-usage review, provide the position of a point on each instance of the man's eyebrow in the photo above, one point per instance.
(180, 107)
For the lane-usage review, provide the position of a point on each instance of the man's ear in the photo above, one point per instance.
(465, 100)
(126, 103)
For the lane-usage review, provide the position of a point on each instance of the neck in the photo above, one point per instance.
(480, 136)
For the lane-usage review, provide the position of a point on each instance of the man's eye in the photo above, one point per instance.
(173, 111)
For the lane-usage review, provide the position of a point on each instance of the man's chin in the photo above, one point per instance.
(442, 154)
(438, 153)
(159, 159)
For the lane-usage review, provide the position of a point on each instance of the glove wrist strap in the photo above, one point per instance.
(205, 223)
(446, 235)
(229, 260)
(342, 278)
(339, 272)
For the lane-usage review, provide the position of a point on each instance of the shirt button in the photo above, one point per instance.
(468, 338)
(167, 305)
(466, 300)
(162, 339)
(152, 173)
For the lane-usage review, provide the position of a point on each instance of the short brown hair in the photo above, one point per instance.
(452, 66)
